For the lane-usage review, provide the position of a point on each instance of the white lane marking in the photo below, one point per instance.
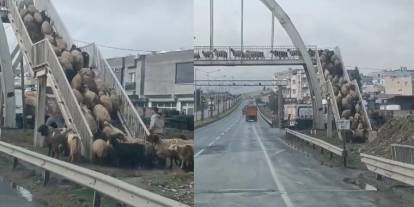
(218, 137)
(279, 184)
(199, 152)
(277, 152)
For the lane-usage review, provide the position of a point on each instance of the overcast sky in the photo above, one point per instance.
(370, 33)
(138, 24)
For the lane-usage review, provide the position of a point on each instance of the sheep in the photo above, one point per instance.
(77, 58)
(162, 147)
(55, 142)
(127, 154)
(116, 100)
(197, 56)
(28, 19)
(47, 29)
(101, 115)
(220, 53)
(66, 60)
(78, 95)
(208, 54)
(60, 43)
(280, 54)
(31, 9)
(185, 153)
(100, 84)
(38, 18)
(85, 56)
(76, 82)
(236, 53)
(74, 146)
(112, 132)
(89, 118)
(105, 101)
(89, 97)
(101, 151)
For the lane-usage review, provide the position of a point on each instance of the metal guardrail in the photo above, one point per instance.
(42, 53)
(329, 147)
(112, 187)
(402, 153)
(399, 171)
(267, 119)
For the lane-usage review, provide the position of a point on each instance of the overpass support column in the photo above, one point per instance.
(41, 106)
(329, 121)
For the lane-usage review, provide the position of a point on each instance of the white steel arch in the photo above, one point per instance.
(289, 27)
(7, 96)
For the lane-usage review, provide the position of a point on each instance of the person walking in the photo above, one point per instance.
(156, 123)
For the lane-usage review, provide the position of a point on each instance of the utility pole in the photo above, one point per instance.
(211, 25)
(242, 25)
(280, 106)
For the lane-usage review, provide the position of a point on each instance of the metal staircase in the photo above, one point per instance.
(328, 91)
(43, 61)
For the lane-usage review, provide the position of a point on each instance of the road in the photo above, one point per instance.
(240, 163)
(17, 197)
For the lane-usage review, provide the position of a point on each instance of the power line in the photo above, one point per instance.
(116, 48)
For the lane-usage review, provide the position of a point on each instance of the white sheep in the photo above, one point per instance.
(101, 115)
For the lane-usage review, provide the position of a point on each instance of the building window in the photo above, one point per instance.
(406, 83)
(131, 77)
(294, 91)
(184, 73)
(293, 82)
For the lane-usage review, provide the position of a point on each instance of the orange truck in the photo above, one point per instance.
(251, 112)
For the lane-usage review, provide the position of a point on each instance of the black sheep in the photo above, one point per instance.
(128, 154)
(85, 59)
(56, 144)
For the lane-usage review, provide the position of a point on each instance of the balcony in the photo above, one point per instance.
(130, 86)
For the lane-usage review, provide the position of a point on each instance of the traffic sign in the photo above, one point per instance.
(343, 124)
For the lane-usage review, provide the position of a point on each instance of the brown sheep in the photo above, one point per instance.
(47, 30)
(78, 95)
(112, 132)
(105, 101)
(116, 100)
(60, 43)
(77, 59)
(101, 151)
(74, 145)
(89, 118)
(77, 82)
(100, 84)
(89, 97)
(38, 17)
(101, 115)
(185, 153)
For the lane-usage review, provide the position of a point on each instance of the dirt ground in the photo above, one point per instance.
(175, 184)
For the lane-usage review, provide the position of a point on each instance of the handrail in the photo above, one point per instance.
(399, 171)
(129, 114)
(334, 149)
(100, 182)
(402, 153)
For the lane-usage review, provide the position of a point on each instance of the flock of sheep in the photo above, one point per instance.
(349, 104)
(99, 105)
(248, 54)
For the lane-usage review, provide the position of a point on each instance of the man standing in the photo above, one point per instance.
(157, 123)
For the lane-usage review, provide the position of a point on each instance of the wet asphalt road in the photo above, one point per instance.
(241, 163)
(10, 197)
